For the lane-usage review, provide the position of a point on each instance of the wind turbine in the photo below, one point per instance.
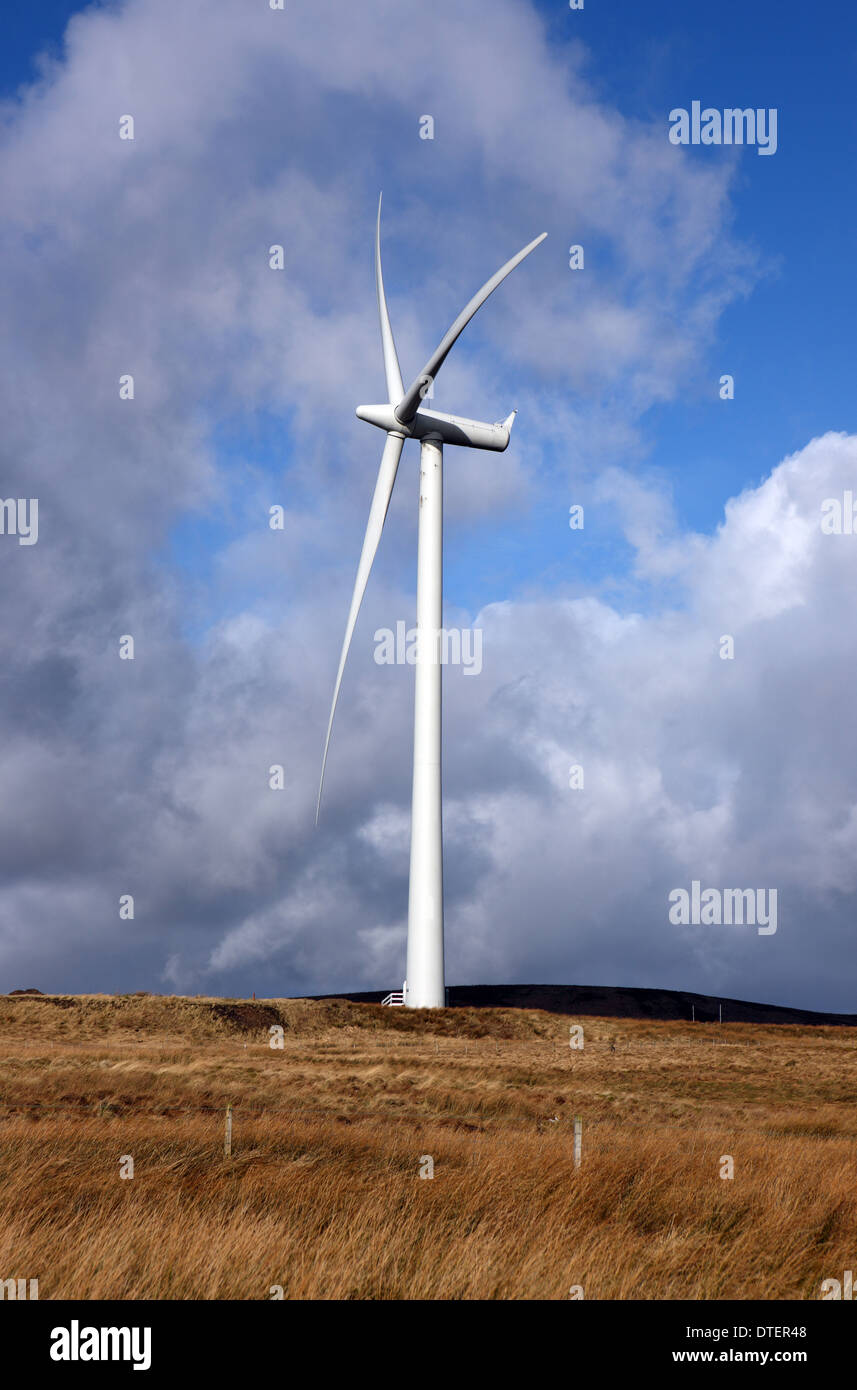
(404, 418)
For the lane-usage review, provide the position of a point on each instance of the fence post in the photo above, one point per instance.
(578, 1139)
(227, 1143)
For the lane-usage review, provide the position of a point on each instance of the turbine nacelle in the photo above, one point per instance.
(451, 429)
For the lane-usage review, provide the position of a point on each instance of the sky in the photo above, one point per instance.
(603, 647)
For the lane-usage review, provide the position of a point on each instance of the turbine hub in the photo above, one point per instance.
(384, 417)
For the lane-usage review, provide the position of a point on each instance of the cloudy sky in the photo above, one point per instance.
(149, 257)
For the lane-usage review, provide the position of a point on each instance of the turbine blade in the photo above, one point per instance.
(410, 402)
(392, 372)
(377, 514)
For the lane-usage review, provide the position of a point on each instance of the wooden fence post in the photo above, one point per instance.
(227, 1143)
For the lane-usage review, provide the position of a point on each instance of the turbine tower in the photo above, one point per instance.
(404, 418)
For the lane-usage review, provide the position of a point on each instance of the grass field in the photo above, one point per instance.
(323, 1197)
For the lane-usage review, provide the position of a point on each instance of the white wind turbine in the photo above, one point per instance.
(403, 418)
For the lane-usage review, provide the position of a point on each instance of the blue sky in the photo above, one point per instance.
(601, 646)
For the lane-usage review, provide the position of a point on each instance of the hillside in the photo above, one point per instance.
(605, 1001)
(215, 1015)
(323, 1197)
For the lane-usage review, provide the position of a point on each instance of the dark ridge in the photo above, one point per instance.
(605, 1001)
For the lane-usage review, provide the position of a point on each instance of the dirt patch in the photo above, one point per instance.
(248, 1018)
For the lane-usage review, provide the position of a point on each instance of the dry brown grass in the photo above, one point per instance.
(323, 1197)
